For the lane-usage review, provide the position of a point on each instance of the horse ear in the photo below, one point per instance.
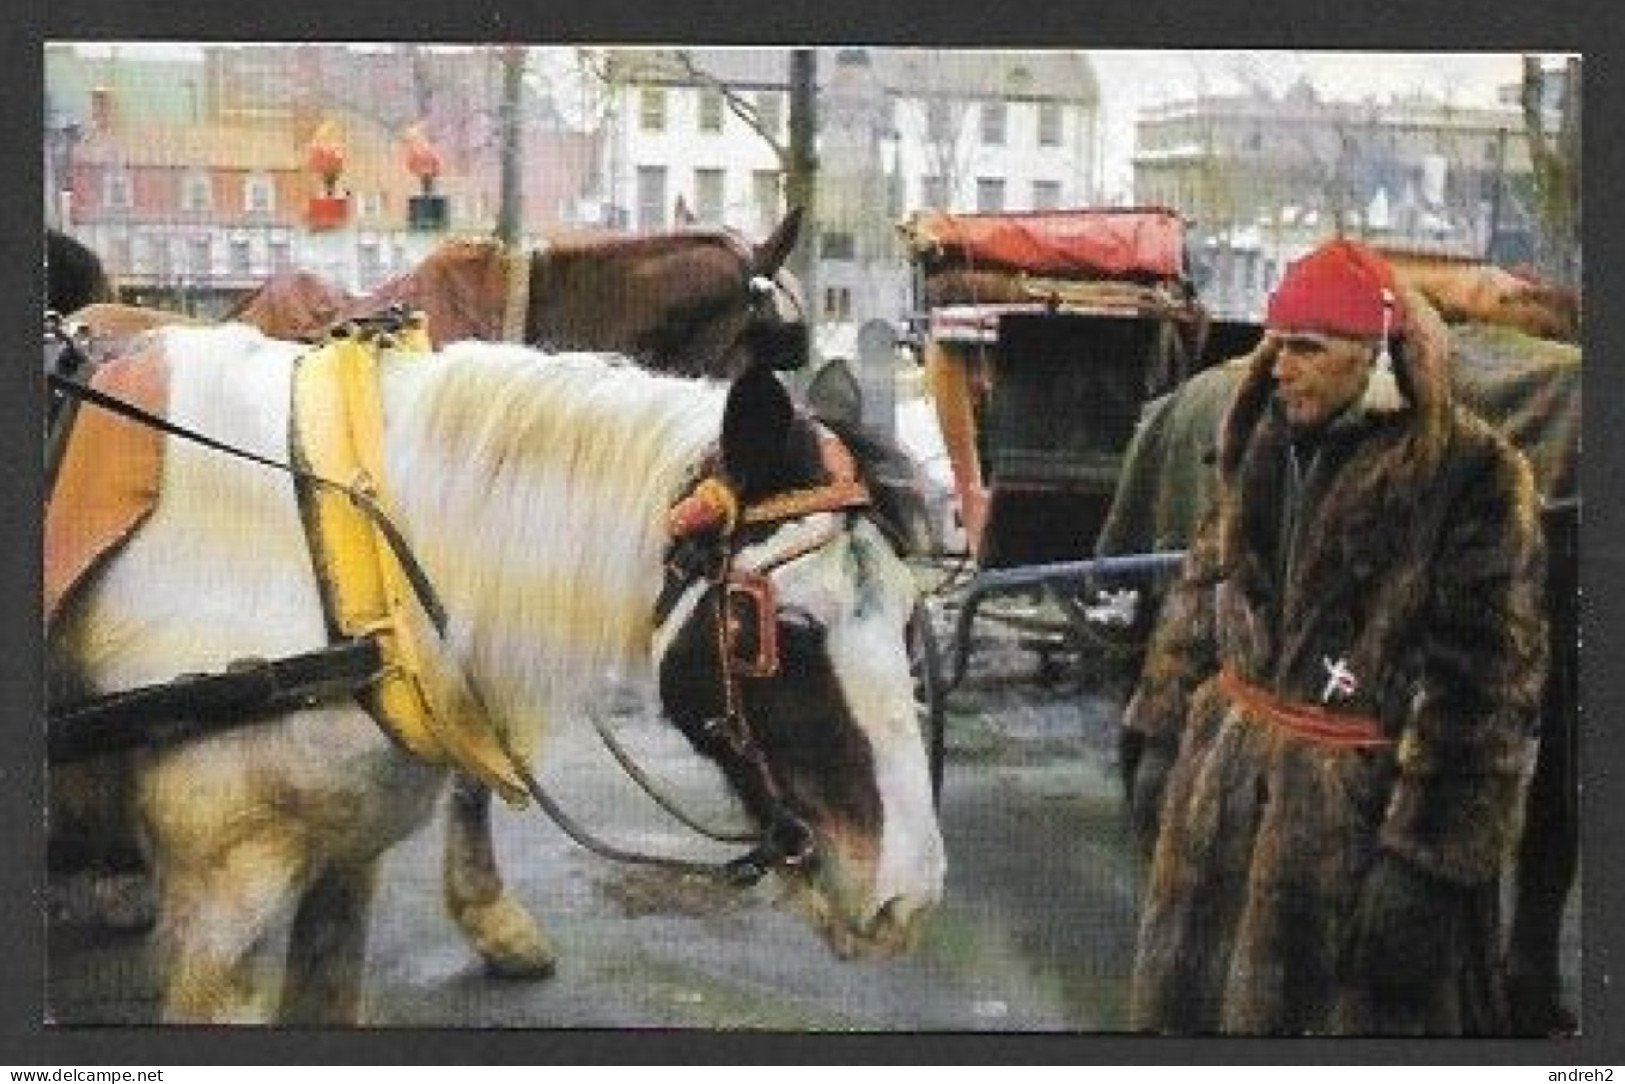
(755, 429)
(771, 253)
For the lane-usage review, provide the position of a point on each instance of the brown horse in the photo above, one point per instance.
(695, 302)
(1471, 292)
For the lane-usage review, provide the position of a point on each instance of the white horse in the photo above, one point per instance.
(535, 491)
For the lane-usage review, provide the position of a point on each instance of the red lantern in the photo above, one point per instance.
(422, 160)
(325, 156)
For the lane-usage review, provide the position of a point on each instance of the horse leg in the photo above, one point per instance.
(327, 948)
(500, 929)
(217, 912)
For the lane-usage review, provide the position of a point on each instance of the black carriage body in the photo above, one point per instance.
(1064, 393)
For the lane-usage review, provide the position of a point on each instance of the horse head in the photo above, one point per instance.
(695, 302)
(781, 653)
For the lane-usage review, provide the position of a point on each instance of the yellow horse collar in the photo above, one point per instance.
(337, 433)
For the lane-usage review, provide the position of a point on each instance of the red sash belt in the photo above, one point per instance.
(1306, 721)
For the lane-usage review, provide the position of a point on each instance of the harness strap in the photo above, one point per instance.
(196, 704)
(1308, 721)
(419, 580)
(516, 298)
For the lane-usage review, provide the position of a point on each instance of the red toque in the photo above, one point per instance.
(1338, 289)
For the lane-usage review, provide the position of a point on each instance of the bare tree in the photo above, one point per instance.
(1555, 158)
(509, 220)
(797, 154)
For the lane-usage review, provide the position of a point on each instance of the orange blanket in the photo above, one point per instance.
(108, 481)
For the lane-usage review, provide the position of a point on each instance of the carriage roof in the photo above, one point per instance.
(1114, 261)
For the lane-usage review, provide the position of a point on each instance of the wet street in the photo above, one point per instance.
(1035, 933)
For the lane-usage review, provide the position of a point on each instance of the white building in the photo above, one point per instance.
(898, 130)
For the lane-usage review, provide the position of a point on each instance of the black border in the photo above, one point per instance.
(1421, 25)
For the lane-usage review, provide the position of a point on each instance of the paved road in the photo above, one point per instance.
(1035, 934)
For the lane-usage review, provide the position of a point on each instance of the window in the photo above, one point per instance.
(195, 194)
(989, 194)
(197, 257)
(764, 195)
(281, 253)
(259, 195)
(708, 194)
(1049, 124)
(937, 121)
(837, 303)
(1046, 195)
(117, 191)
(652, 109)
(371, 205)
(120, 253)
(369, 261)
(239, 255)
(993, 124)
(159, 257)
(769, 111)
(710, 110)
(934, 192)
(651, 197)
(836, 245)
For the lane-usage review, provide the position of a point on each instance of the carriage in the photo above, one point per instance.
(1042, 336)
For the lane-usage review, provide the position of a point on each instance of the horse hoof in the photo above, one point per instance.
(509, 941)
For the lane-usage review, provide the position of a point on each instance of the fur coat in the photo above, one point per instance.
(1416, 564)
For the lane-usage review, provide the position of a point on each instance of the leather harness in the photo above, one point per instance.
(367, 573)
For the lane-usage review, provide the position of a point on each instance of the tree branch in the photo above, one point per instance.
(737, 104)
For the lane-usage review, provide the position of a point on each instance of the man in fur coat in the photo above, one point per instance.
(1337, 709)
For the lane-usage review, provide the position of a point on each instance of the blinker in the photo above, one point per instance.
(711, 507)
(751, 624)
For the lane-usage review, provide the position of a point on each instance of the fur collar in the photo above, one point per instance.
(1384, 467)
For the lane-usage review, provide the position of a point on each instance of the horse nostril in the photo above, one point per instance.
(894, 916)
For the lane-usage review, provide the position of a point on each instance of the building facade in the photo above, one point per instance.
(190, 176)
(1262, 178)
(898, 130)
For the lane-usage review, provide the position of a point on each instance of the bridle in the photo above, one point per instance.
(708, 530)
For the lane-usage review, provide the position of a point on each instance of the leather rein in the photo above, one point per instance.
(707, 528)
(706, 543)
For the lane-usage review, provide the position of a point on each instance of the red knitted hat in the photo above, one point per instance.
(1341, 288)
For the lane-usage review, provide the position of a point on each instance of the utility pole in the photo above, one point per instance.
(509, 218)
(801, 183)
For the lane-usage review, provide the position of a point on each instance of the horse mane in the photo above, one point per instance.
(540, 486)
(899, 507)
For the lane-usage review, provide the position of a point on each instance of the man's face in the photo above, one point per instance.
(1316, 376)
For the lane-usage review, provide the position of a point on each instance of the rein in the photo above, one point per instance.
(80, 392)
(787, 841)
(706, 545)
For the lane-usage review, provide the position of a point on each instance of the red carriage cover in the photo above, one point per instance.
(1127, 243)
